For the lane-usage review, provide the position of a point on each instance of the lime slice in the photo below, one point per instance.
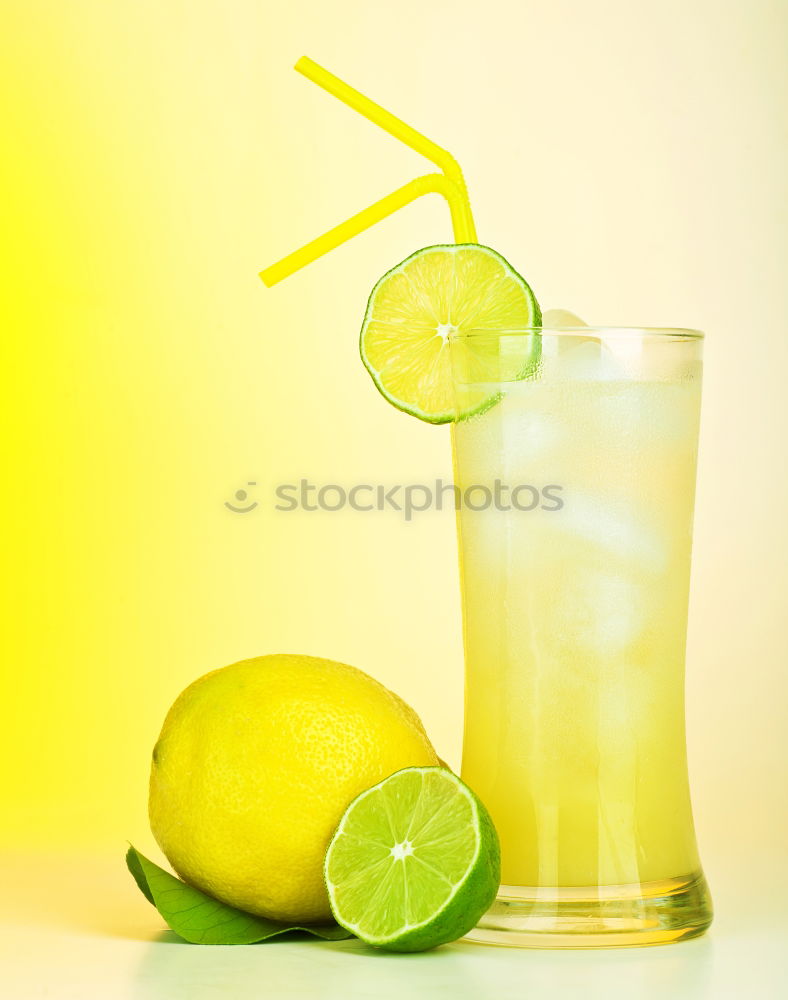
(414, 862)
(434, 297)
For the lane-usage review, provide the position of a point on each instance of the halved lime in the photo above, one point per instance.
(414, 862)
(435, 296)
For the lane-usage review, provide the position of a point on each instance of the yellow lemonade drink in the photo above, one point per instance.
(575, 537)
(575, 569)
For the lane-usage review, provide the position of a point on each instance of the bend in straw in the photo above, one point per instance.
(450, 183)
(406, 134)
(427, 184)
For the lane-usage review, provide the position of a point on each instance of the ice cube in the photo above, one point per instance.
(644, 415)
(604, 611)
(586, 359)
(594, 616)
(527, 436)
(612, 529)
(513, 437)
(561, 317)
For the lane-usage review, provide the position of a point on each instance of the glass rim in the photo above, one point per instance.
(667, 332)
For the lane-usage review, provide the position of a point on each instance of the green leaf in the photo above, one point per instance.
(200, 919)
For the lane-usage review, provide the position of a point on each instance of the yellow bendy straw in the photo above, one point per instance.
(449, 182)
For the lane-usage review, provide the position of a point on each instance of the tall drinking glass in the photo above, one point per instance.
(577, 478)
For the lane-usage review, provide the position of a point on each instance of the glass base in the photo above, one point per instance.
(615, 916)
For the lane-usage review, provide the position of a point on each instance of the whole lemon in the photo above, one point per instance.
(254, 767)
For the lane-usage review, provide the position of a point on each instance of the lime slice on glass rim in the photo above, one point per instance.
(432, 298)
(414, 862)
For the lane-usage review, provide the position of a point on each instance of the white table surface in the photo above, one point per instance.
(75, 926)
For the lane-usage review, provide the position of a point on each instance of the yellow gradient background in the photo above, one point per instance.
(629, 159)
